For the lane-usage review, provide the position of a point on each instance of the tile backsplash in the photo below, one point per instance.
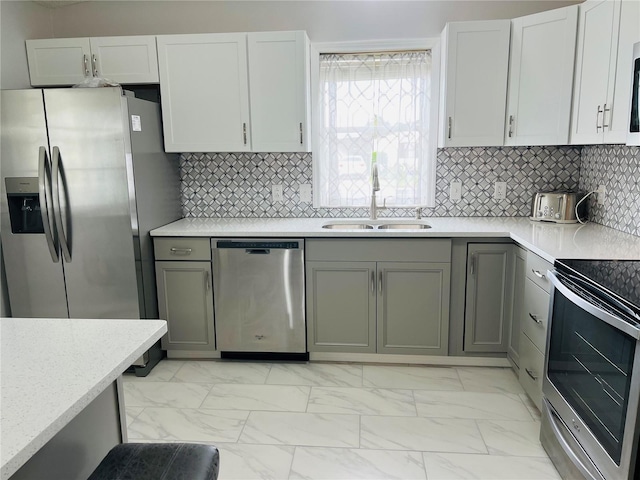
(239, 184)
(617, 167)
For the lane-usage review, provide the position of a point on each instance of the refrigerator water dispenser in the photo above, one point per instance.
(24, 205)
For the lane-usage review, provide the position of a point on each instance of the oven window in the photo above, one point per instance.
(590, 363)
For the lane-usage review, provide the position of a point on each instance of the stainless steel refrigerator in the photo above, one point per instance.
(84, 179)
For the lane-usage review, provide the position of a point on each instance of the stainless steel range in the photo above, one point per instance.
(591, 385)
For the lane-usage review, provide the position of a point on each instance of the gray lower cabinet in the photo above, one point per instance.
(185, 300)
(515, 326)
(489, 299)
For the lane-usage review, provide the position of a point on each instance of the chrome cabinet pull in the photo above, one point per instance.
(380, 281)
(598, 127)
(538, 274)
(530, 373)
(449, 134)
(94, 64)
(373, 282)
(473, 264)
(510, 126)
(44, 205)
(535, 318)
(300, 133)
(86, 66)
(604, 114)
(207, 281)
(244, 132)
(180, 251)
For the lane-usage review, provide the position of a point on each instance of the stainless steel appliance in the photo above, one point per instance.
(557, 207)
(633, 135)
(258, 289)
(84, 179)
(591, 385)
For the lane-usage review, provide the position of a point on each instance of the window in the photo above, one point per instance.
(374, 108)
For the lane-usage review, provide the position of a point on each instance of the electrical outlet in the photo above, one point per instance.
(305, 192)
(455, 191)
(500, 190)
(276, 193)
(601, 196)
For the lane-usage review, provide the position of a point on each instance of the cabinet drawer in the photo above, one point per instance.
(536, 314)
(537, 271)
(177, 248)
(531, 370)
(389, 250)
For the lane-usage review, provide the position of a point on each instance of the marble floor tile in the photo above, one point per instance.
(476, 405)
(187, 424)
(424, 378)
(484, 379)
(533, 410)
(164, 394)
(520, 439)
(422, 434)
(274, 398)
(132, 413)
(452, 466)
(316, 374)
(362, 401)
(306, 429)
(222, 371)
(242, 461)
(314, 463)
(162, 372)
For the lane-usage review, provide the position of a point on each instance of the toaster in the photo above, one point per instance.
(558, 207)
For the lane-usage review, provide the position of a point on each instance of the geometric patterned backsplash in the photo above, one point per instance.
(617, 167)
(239, 184)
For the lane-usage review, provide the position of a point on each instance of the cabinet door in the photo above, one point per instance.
(488, 299)
(341, 306)
(475, 83)
(205, 95)
(413, 308)
(125, 59)
(541, 77)
(279, 91)
(61, 61)
(595, 27)
(185, 301)
(620, 68)
(515, 325)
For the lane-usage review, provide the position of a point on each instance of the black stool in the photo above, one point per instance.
(159, 461)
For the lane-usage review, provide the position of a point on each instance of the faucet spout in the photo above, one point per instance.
(374, 176)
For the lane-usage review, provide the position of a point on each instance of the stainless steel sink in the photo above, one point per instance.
(404, 226)
(348, 226)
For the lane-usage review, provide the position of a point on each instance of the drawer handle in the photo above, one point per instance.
(180, 251)
(530, 373)
(538, 274)
(535, 318)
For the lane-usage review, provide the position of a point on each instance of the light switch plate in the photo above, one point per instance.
(455, 191)
(500, 191)
(276, 193)
(305, 192)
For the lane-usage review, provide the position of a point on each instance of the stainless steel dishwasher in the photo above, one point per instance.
(258, 289)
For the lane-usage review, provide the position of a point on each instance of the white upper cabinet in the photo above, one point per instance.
(474, 78)
(541, 78)
(67, 61)
(204, 91)
(607, 30)
(279, 91)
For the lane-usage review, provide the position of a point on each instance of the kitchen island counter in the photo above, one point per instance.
(52, 369)
(548, 240)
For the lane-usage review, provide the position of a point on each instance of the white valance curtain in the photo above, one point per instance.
(374, 108)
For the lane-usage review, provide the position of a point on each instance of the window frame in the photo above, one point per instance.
(373, 46)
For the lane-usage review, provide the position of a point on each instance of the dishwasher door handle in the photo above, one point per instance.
(258, 251)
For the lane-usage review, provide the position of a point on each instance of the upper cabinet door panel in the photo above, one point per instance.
(595, 27)
(62, 61)
(541, 78)
(125, 59)
(279, 91)
(204, 88)
(476, 66)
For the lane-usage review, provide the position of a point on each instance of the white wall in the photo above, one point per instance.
(323, 20)
(19, 20)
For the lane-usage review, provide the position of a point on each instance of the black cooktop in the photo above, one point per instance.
(620, 277)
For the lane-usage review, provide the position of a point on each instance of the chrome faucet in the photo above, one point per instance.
(373, 212)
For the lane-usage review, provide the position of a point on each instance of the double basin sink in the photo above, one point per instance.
(377, 225)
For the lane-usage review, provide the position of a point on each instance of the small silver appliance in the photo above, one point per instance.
(558, 207)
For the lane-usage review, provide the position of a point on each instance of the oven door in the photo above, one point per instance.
(591, 374)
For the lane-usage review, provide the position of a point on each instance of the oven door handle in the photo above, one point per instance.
(594, 310)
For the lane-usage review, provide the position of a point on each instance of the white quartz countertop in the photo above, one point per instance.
(51, 369)
(550, 241)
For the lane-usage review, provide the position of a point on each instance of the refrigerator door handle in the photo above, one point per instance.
(57, 211)
(44, 195)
